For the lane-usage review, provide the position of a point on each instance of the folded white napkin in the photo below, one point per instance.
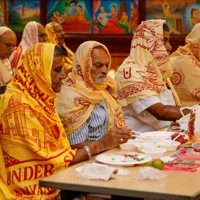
(98, 171)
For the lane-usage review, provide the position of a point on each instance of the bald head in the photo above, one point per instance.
(8, 41)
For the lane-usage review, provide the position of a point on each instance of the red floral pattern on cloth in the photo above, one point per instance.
(33, 142)
(80, 93)
(144, 72)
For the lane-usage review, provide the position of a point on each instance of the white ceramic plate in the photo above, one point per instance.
(124, 159)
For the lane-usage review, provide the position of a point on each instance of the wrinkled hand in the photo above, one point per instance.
(114, 137)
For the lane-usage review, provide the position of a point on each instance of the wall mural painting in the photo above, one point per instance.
(115, 17)
(181, 15)
(22, 11)
(74, 15)
(97, 17)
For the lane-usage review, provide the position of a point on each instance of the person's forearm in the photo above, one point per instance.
(83, 154)
(166, 112)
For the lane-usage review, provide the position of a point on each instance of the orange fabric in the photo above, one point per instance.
(186, 69)
(80, 93)
(147, 69)
(33, 143)
(53, 39)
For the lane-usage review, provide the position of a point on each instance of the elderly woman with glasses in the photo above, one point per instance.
(8, 40)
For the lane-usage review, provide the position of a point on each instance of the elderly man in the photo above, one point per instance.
(87, 103)
(56, 36)
(143, 78)
(8, 41)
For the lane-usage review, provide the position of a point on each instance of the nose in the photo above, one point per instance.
(62, 75)
(104, 69)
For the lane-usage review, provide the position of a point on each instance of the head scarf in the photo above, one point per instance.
(33, 142)
(145, 71)
(54, 40)
(186, 68)
(29, 37)
(80, 93)
(3, 29)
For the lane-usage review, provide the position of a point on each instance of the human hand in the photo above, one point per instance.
(114, 137)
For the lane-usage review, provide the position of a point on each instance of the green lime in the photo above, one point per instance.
(157, 163)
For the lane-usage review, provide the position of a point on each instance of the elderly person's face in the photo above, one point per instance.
(166, 37)
(57, 74)
(42, 36)
(8, 41)
(100, 63)
(60, 34)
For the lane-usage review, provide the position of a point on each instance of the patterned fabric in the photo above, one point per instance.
(53, 39)
(80, 93)
(29, 37)
(186, 69)
(33, 142)
(147, 69)
(94, 127)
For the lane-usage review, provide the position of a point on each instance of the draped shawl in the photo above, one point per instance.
(54, 40)
(147, 68)
(33, 142)
(186, 68)
(29, 37)
(80, 93)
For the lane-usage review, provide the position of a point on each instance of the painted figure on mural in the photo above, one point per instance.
(134, 16)
(124, 18)
(166, 10)
(194, 17)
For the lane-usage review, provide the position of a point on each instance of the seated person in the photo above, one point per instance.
(33, 33)
(33, 142)
(87, 103)
(56, 36)
(8, 41)
(142, 80)
(186, 69)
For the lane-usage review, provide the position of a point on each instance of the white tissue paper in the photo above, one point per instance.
(98, 171)
(150, 173)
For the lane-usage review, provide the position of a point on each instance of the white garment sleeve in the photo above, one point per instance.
(143, 104)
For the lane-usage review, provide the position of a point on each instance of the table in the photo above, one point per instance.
(176, 185)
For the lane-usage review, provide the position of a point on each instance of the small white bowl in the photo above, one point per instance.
(150, 144)
(168, 145)
(128, 146)
(154, 152)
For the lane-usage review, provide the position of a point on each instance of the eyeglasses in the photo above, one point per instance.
(8, 45)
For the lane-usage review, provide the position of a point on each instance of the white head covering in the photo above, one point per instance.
(3, 29)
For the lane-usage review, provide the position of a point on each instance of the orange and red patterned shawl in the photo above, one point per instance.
(147, 69)
(53, 39)
(80, 93)
(33, 142)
